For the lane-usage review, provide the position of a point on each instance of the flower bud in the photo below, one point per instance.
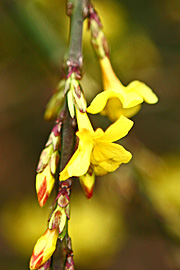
(44, 184)
(98, 39)
(67, 211)
(55, 103)
(46, 265)
(58, 219)
(75, 96)
(63, 198)
(87, 182)
(79, 98)
(54, 162)
(69, 265)
(47, 165)
(54, 137)
(70, 102)
(44, 158)
(44, 248)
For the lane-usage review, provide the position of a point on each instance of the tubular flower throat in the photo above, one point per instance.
(118, 99)
(96, 148)
(44, 248)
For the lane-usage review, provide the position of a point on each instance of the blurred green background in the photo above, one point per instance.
(133, 219)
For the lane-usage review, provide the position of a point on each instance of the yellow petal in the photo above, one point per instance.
(131, 111)
(104, 167)
(100, 101)
(83, 121)
(143, 90)
(107, 157)
(109, 153)
(110, 80)
(132, 99)
(79, 163)
(98, 170)
(117, 130)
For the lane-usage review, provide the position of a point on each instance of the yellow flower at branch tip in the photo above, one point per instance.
(44, 184)
(118, 99)
(44, 248)
(96, 148)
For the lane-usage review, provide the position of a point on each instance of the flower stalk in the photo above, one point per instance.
(63, 256)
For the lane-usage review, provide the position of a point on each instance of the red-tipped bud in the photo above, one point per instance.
(87, 182)
(44, 184)
(44, 248)
(44, 158)
(46, 265)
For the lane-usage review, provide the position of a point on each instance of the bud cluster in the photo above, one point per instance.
(47, 165)
(59, 218)
(75, 96)
(61, 212)
(69, 264)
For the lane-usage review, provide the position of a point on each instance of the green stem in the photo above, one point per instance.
(79, 12)
(67, 141)
(74, 60)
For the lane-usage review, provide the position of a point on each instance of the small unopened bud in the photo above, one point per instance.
(58, 219)
(67, 211)
(79, 98)
(75, 95)
(44, 248)
(44, 184)
(87, 182)
(55, 103)
(98, 38)
(47, 165)
(44, 158)
(63, 198)
(54, 137)
(70, 102)
(69, 265)
(54, 162)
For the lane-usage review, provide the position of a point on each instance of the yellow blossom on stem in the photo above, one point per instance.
(118, 99)
(44, 248)
(96, 148)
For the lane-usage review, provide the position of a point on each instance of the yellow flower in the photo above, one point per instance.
(118, 99)
(96, 148)
(44, 248)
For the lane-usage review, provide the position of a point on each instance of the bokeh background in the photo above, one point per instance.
(133, 219)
